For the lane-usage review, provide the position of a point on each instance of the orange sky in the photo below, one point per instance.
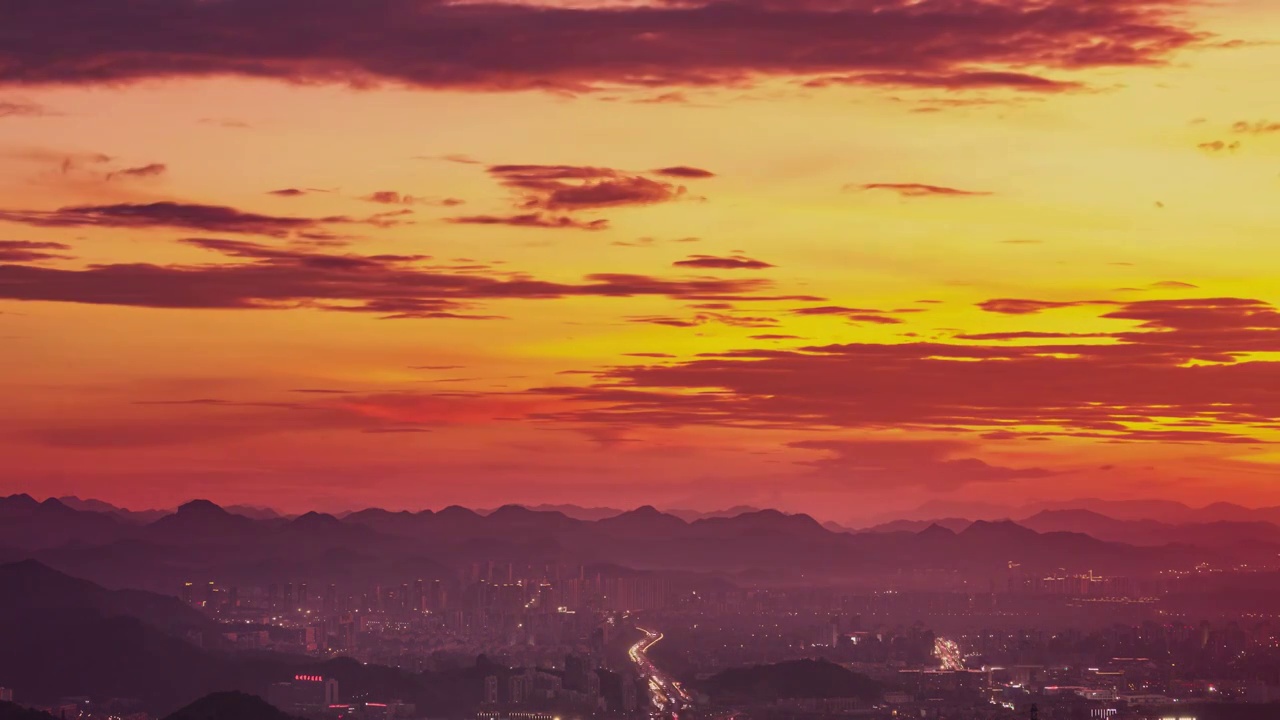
(838, 256)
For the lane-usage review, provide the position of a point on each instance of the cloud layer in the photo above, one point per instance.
(265, 277)
(949, 44)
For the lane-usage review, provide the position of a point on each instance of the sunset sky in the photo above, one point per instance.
(832, 256)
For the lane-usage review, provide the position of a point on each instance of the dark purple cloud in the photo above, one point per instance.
(547, 196)
(715, 262)
(436, 44)
(532, 220)
(952, 81)
(706, 318)
(399, 286)
(920, 190)
(684, 171)
(391, 197)
(214, 218)
(141, 171)
(573, 187)
(24, 251)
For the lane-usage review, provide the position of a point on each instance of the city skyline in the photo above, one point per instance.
(840, 257)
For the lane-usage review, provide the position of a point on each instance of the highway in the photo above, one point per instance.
(948, 654)
(665, 694)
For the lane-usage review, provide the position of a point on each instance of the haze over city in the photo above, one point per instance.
(639, 359)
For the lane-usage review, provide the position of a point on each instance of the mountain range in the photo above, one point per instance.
(202, 541)
(65, 636)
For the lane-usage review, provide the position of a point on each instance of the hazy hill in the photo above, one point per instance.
(26, 523)
(13, 711)
(30, 585)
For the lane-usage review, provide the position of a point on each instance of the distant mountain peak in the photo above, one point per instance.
(997, 528)
(20, 500)
(315, 519)
(456, 511)
(936, 531)
(512, 510)
(643, 517)
(230, 705)
(201, 507)
(54, 504)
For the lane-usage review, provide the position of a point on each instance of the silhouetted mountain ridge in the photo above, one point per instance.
(789, 680)
(230, 706)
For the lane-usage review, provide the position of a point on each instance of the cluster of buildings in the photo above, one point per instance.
(316, 697)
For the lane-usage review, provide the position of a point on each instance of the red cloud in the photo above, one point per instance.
(705, 318)
(1181, 367)
(391, 197)
(546, 189)
(1014, 306)
(854, 315)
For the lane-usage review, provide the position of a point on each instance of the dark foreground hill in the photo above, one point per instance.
(789, 680)
(30, 585)
(229, 706)
(13, 711)
(216, 706)
(62, 636)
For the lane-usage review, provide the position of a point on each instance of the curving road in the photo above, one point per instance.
(665, 694)
(948, 653)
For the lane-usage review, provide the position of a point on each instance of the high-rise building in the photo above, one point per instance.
(629, 696)
(491, 689)
(515, 689)
(188, 593)
(347, 632)
(305, 694)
